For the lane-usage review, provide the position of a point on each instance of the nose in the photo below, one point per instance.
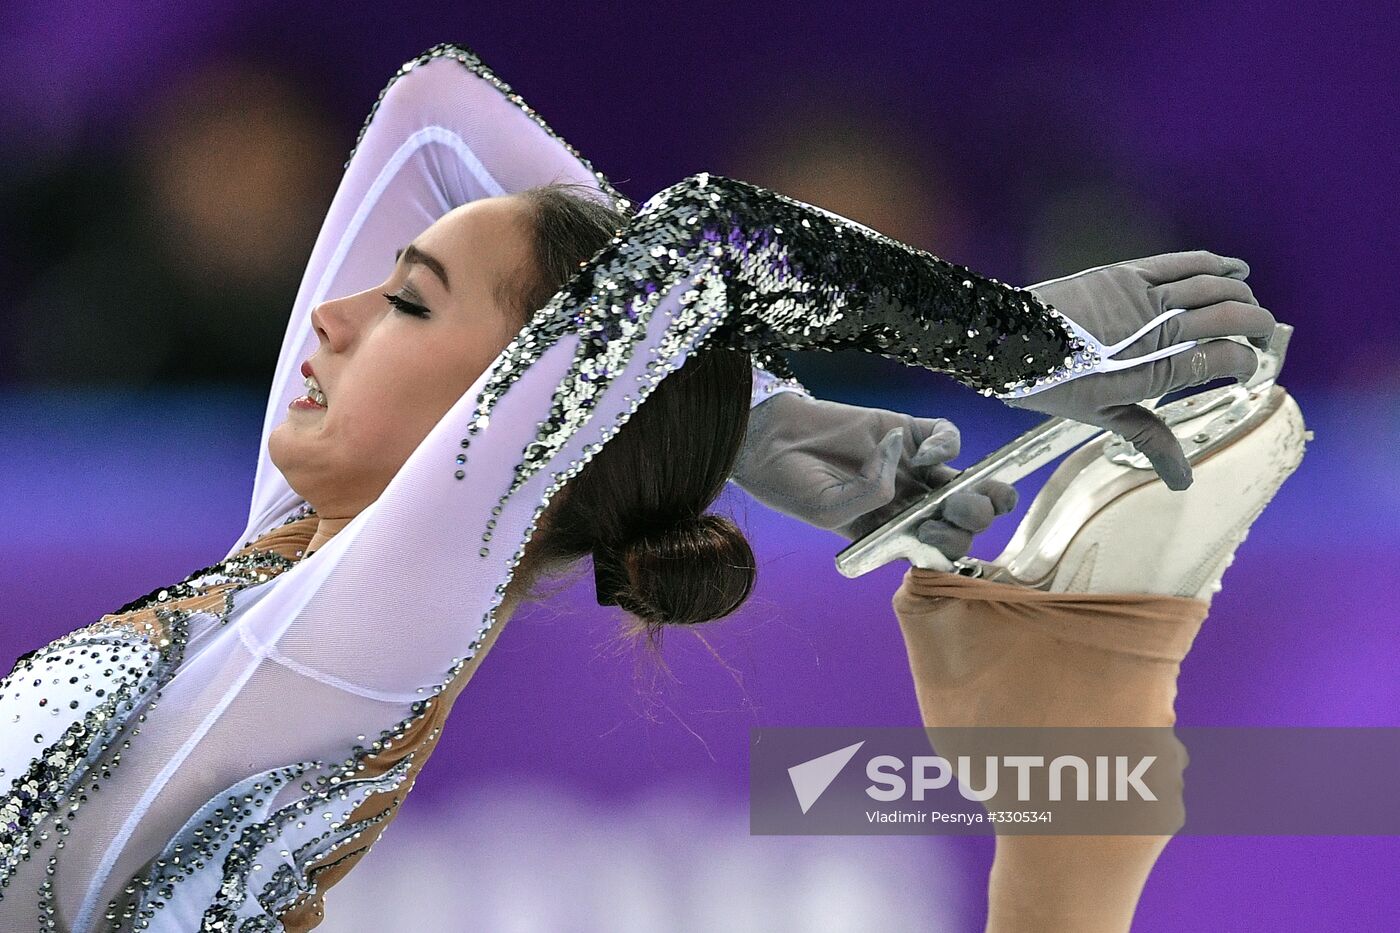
(336, 323)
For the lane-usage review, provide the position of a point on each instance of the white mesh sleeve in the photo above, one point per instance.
(445, 131)
(441, 134)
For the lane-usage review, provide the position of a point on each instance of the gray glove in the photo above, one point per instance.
(850, 469)
(1112, 302)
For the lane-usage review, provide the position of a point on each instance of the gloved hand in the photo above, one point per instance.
(1112, 302)
(851, 469)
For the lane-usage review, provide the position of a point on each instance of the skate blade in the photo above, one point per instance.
(1217, 417)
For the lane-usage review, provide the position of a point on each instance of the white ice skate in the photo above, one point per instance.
(1104, 521)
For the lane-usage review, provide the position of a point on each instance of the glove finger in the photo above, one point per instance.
(1169, 267)
(1101, 392)
(1201, 291)
(938, 439)
(1003, 496)
(1213, 359)
(951, 541)
(968, 510)
(881, 473)
(843, 498)
(937, 476)
(1226, 319)
(1150, 435)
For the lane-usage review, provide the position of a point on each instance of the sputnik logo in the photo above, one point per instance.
(810, 779)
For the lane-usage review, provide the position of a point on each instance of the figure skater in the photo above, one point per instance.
(487, 377)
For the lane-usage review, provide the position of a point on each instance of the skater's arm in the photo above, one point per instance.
(791, 276)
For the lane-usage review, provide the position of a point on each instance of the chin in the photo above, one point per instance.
(281, 457)
(274, 445)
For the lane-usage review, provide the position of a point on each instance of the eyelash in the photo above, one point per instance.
(407, 307)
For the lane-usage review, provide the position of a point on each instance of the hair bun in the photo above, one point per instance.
(697, 568)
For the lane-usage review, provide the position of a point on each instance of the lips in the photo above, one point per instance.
(315, 396)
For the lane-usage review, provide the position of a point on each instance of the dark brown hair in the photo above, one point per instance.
(638, 506)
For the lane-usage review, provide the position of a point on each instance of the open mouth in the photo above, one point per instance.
(313, 391)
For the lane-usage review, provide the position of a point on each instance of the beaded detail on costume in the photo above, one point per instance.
(78, 693)
(141, 658)
(766, 385)
(266, 858)
(268, 862)
(265, 862)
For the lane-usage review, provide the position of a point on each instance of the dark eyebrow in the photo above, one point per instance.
(413, 255)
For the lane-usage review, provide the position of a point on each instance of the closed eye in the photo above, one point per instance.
(407, 307)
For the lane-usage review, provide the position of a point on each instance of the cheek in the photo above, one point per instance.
(446, 371)
(390, 396)
(374, 429)
(407, 392)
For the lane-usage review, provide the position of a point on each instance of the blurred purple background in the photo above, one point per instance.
(580, 786)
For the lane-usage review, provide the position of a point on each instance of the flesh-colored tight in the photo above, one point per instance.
(994, 654)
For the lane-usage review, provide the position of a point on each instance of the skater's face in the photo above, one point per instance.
(389, 375)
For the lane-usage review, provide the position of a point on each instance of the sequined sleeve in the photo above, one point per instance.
(793, 276)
